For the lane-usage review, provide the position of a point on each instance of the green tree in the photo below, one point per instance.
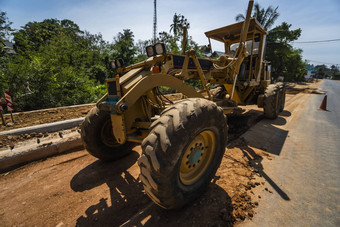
(178, 22)
(36, 34)
(266, 17)
(334, 70)
(5, 33)
(286, 61)
(123, 46)
(173, 43)
(322, 71)
(57, 64)
(170, 42)
(141, 49)
(5, 27)
(53, 76)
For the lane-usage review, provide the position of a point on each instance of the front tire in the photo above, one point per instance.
(183, 152)
(98, 138)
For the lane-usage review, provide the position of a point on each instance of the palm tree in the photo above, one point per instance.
(266, 17)
(174, 26)
(179, 21)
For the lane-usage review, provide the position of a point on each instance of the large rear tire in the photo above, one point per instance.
(98, 138)
(183, 152)
(271, 106)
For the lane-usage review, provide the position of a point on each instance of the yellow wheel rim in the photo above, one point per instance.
(197, 157)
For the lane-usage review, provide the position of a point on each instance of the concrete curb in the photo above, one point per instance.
(16, 159)
(50, 127)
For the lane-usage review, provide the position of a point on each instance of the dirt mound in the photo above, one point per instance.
(31, 118)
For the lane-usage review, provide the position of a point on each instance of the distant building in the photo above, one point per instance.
(310, 71)
(207, 52)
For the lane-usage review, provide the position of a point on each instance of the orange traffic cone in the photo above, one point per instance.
(323, 105)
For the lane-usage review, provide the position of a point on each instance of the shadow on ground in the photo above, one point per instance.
(128, 205)
(240, 123)
(126, 194)
(268, 137)
(255, 161)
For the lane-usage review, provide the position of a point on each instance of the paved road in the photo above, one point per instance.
(305, 173)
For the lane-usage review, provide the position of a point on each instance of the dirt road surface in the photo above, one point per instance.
(75, 189)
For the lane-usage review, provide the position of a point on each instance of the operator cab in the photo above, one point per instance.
(255, 46)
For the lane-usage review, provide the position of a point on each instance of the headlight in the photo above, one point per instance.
(157, 49)
(119, 63)
(160, 49)
(150, 51)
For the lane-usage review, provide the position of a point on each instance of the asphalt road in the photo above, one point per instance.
(304, 175)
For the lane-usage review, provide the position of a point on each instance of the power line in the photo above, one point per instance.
(319, 41)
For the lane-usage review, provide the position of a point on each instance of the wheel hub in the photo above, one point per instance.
(197, 157)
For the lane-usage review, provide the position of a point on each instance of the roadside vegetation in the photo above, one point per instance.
(53, 63)
(322, 72)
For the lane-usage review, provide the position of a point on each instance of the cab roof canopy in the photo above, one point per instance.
(232, 32)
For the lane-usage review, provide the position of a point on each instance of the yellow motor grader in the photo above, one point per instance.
(182, 141)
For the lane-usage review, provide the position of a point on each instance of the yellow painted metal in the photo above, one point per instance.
(251, 58)
(245, 26)
(144, 64)
(200, 73)
(234, 31)
(247, 92)
(197, 157)
(155, 80)
(184, 72)
(140, 111)
(210, 47)
(184, 41)
(260, 58)
(133, 79)
(119, 130)
(127, 76)
(265, 83)
(236, 97)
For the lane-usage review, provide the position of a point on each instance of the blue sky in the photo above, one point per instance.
(319, 20)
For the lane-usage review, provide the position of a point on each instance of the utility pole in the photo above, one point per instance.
(155, 22)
